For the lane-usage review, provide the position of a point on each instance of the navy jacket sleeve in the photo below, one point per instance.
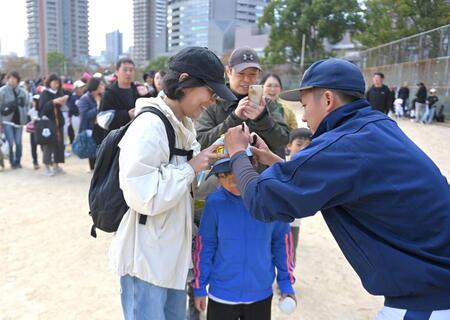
(205, 249)
(304, 185)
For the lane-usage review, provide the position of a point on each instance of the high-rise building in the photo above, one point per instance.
(150, 31)
(210, 23)
(187, 23)
(60, 26)
(113, 46)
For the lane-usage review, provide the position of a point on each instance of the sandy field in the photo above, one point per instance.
(51, 268)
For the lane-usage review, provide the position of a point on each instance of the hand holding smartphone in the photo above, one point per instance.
(255, 93)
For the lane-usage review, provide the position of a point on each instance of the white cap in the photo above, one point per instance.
(287, 305)
(78, 84)
(97, 75)
(432, 90)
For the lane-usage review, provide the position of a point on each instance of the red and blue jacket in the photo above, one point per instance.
(236, 254)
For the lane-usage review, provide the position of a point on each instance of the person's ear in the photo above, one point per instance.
(228, 71)
(184, 76)
(329, 100)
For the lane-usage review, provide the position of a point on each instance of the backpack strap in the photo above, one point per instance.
(171, 137)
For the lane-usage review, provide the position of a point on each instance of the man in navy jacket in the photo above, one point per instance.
(384, 200)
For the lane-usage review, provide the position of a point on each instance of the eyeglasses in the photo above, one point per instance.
(272, 85)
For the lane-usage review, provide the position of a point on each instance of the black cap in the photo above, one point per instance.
(201, 63)
(243, 58)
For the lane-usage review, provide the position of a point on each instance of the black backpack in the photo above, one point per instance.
(439, 116)
(106, 202)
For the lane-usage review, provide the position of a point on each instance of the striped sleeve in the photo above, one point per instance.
(283, 252)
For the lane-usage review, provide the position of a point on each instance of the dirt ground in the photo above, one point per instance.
(52, 269)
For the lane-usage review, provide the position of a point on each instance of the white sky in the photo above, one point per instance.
(104, 16)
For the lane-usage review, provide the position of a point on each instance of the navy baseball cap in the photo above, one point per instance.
(331, 73)
(223, 165)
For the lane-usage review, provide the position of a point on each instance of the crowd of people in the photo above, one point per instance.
(422, 107)
(65, 108)
(97, 105)
(211, 222)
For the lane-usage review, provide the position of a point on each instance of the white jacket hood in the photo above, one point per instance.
(158, 252)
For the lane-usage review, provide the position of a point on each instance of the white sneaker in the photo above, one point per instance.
(49, 172)
(59, 170)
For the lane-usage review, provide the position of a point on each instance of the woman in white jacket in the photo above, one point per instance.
(153, 259)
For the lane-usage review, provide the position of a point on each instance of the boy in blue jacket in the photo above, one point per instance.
(236, 256)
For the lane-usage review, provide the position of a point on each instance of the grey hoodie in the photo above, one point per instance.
(7, 95)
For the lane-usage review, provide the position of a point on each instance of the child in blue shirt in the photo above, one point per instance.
(236, 256)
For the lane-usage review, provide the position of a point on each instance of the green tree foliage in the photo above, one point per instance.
(389, 20)
(159, 63)
(56, 62)
(317, 19)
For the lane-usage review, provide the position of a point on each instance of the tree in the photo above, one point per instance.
(317, 19)
(160, 63)
(389, 20)
(57, 63)
(27, 68)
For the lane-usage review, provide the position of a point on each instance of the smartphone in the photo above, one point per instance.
(255, 92)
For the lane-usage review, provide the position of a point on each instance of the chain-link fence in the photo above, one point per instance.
(424, 57)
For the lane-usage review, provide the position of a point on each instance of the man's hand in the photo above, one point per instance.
(240, 109)
(131, 113)
(200, 303)
(236, 139)
(285, 295)
(261, 151)
(252, 111)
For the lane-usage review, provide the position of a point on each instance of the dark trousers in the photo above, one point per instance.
(91, 163)
(54, 153)
(260, 310)
(70, 133)
(33, 148)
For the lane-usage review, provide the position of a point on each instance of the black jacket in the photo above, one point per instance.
(53, 113)
(45, 97)
(120, 100)
(403, 93)
(432, 101)
(379, 98)
(421, 94)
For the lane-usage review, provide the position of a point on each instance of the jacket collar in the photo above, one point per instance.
(51, 90)
(340, 116)
(229, 106)
(184, 129)
(16, 89)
